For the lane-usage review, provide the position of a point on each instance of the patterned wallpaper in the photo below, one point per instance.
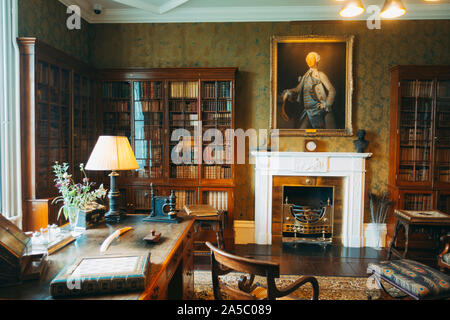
(247, 46)
(46, 20)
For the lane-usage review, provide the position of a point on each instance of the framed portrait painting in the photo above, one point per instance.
(312, 85)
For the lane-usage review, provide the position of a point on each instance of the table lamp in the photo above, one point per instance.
(112, 153)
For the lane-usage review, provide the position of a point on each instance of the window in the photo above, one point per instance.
(10, 179)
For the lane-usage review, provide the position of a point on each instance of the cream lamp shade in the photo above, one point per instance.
(112, 153)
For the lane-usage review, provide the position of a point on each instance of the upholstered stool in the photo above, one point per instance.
(415, 279)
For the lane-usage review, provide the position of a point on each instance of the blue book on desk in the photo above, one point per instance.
(102, 275)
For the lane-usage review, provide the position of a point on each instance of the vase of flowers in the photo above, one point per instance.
(75, 196)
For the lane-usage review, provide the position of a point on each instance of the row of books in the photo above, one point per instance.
(444, 120)
(443, 89)
(219, 117)
(443, 155)
(151, 173)
(216, 172)
(423, 118)
(444, 174)
(120, 118)
(219, 155)
(183, 106)
(220, 105)
(149, 118)
(420, 174)
(217, 199)
(144, 149)
(117, 106)
(184, 119)
(179, 89)
(148, 106)
(148, 133)
(421, 106)
(209, 90)
(184, 197)
(223, 90)
(409, 136)
(422, 89)
(417, 202)
(184, 172)
(415, 154)
(116, 90)
(147, 90)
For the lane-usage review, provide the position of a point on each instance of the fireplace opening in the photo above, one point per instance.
(308, 213)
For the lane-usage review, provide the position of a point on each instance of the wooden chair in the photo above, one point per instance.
(223, 262)
(444, 257)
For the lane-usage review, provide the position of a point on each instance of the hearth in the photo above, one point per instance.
(308, 214)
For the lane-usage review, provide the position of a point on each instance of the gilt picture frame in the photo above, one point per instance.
(312, 85)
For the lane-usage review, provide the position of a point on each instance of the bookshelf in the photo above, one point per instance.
(58, 111)
(165, 113)
(148, 124)
(419, 144)
(183, 122)
(216, 113)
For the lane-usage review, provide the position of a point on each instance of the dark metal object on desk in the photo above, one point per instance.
(163, 208)
(114, 214)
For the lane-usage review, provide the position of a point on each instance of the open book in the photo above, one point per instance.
(201, 210)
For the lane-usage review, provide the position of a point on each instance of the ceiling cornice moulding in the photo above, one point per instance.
(173, 12)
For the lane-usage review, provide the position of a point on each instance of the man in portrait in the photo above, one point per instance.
(314, 96)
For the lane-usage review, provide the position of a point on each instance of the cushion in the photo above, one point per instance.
(413, 277)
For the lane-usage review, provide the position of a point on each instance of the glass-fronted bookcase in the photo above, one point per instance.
(177, 121)
(419, 152)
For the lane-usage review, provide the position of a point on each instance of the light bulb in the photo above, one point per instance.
(352, 9)
(392, 9)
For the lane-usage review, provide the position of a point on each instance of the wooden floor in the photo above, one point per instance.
(309, 259)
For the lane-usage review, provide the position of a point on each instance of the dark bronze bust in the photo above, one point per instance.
(361, 144)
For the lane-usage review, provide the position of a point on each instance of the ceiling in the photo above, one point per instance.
(164, 11)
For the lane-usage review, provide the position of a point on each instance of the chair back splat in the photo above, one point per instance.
(223, 262)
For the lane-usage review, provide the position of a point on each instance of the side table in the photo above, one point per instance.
(432, 223)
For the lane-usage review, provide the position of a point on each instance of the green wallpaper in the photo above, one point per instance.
(247, 46)
(46, 20)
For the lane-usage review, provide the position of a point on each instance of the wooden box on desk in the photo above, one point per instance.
(91, 216)
(16, 263)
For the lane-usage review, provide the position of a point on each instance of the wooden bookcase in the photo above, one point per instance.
(419, 146)
(67, 104)
(58, 110)
(153, 107)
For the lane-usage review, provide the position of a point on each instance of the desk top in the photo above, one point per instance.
(424, 217)
(89, 245)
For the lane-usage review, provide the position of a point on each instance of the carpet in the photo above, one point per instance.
(330, 288)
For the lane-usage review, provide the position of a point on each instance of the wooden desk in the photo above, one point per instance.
(434, 224)
(171, 260)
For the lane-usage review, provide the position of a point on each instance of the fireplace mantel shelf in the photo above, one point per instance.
(312, 154)
(350, 166)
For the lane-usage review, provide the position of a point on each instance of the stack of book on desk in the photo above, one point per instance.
(201, 210)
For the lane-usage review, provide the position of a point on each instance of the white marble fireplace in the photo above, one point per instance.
(350, 166)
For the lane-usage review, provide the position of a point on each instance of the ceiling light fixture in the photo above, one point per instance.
(392, 9)
(352, 8)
